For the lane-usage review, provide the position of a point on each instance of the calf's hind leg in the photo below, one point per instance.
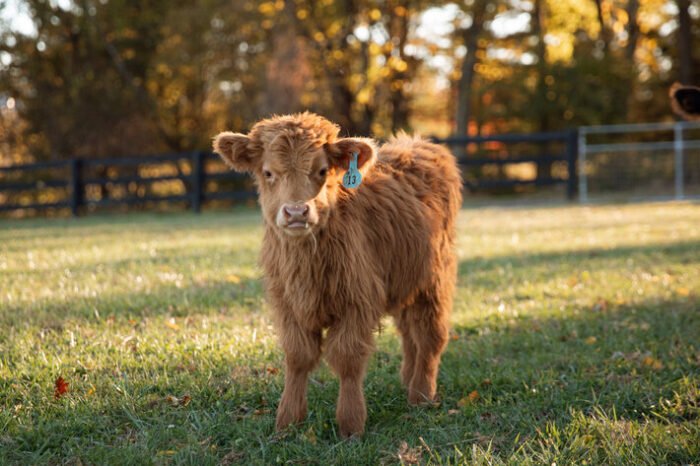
(427, 322)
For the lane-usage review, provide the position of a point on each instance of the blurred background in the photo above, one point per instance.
(105, 79)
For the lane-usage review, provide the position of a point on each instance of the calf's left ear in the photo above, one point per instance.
(341, 152)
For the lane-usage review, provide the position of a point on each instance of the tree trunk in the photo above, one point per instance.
(544, 169)
(464, 87)
(685, 55)
(632, 29)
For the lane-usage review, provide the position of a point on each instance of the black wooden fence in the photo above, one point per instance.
(198, 170)
(542, 156)
(192, 170)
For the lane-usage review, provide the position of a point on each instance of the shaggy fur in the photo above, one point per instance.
(383, 248)
(685, 101)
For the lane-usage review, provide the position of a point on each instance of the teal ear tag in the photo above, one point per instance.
(352, 177)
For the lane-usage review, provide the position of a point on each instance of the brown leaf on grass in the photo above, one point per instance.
(486, 382)
(409, 455)
(591, 340)
(60, 387)
(272, 370)
(176, 402)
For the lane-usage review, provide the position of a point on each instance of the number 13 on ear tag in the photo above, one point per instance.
(352, 177)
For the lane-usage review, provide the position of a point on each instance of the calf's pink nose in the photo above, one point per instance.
(295, 210)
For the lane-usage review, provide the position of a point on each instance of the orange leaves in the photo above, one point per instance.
(652, 363)
(470, 399)
(60, 387)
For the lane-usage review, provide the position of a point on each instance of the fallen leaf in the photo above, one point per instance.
(60, 387)
(170, 323)
(235, 279)
(683, 291)
(469, 399)
(486, 382)
(272, 370)
(232, 457)
(409, 455)
(176, 402)
(653, 363)
(452, 411)
(591, 340)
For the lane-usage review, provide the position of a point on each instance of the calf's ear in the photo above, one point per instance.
(341, 152)
(233, 149)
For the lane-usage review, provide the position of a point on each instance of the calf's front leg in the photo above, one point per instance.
(347, 351)
(302, 351)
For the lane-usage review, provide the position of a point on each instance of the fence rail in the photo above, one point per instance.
(79, 175)
(76, 182)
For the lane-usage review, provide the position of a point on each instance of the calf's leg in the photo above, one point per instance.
(348, 350)
(427, 320)
(302, 352)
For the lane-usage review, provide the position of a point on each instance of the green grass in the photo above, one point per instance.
(578, 327)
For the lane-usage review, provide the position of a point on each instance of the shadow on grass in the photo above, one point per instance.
(621, 361)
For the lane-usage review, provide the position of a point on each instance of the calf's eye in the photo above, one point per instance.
(322, 172)
(267, 174)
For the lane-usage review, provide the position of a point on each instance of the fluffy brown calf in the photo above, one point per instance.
(336, 259)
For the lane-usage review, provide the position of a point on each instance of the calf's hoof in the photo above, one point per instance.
(287, 417)
(417, 397)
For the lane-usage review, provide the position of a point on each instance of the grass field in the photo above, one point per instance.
(576, 340)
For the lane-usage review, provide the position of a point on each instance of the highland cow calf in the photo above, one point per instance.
(337, 258)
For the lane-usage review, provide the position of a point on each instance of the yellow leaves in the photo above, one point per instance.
(375, 14)
(171, 324)
(400, 11)
(302, 14)
(233, 278)
(683, 291)
(470, 399)
(270, 8)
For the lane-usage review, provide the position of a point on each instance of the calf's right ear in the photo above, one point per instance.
(233, 149)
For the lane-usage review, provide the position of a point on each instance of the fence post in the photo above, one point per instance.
(571, 156)
(678, 151)
(76, 186)
(197, 181)
(582, 180)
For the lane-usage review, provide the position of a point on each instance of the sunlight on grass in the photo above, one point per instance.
(574, 341)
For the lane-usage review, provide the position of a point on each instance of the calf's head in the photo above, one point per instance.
(297, 162)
